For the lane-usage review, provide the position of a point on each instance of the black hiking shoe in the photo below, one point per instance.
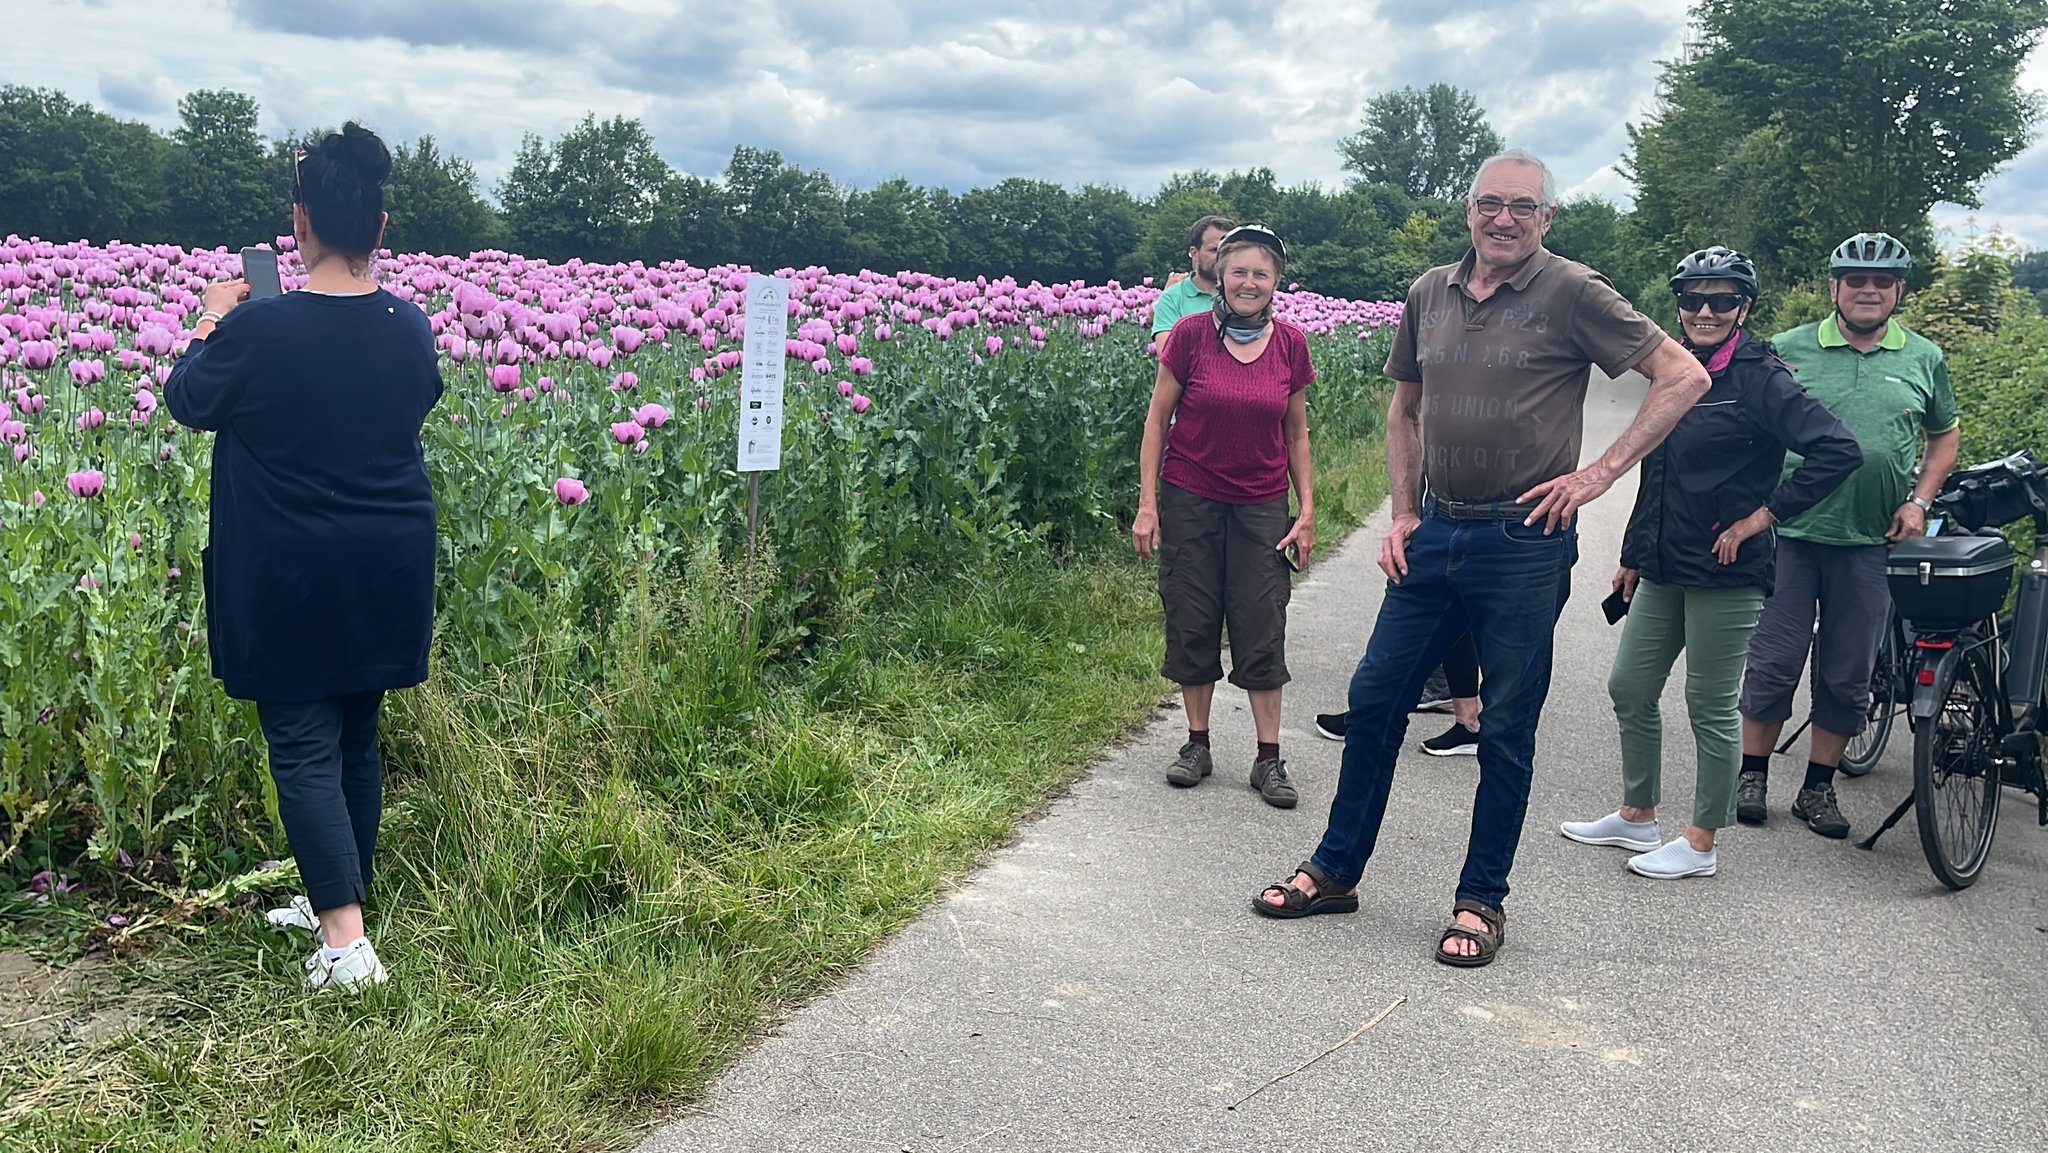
(1269, 777)
(1749, 799)
(1816, 806)
(1190, 766)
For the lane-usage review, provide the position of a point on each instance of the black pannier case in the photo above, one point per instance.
(1949, 581)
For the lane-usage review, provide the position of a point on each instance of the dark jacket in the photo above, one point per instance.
(1725, 458)
(319, 574)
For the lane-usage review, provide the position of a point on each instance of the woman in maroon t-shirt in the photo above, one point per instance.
(1227, 430)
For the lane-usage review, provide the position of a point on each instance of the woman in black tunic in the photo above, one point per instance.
(320, 570)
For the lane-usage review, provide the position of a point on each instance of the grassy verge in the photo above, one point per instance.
(588, 904)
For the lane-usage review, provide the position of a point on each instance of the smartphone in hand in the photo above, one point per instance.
(259, 268)
(1615, 606)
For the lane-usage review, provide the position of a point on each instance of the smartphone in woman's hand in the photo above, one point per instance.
(259, 268)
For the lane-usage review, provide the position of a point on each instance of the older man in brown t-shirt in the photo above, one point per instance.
(1490, 364)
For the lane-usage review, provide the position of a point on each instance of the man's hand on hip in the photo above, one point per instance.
(1557, 500)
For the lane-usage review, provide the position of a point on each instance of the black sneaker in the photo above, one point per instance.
(1269, 777)
(1190, 766)
(1436, 693)
(1749, 799)
(1458, 741)
(1331, 726)
(1816, 806)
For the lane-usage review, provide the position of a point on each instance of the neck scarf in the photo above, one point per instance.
(1716, 359)
(1240, 328)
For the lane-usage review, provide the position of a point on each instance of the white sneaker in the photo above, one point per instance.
(1613, 831)
(353, 972)
(1675, 859)
(297, 915)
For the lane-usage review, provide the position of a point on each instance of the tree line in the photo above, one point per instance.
(1786, 125)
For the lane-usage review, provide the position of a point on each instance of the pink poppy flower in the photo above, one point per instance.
(569, 490)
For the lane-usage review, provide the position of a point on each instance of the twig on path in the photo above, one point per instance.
(1355, 1035)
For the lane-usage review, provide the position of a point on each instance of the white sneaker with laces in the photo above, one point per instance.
(296, 915)
(355, 970)
(1613, 831)
(1675, 859)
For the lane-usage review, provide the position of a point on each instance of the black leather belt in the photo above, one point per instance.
(1480, 510)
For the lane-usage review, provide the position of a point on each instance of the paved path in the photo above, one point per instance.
(1101, 984)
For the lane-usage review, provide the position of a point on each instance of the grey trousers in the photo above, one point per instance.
(1845, 583)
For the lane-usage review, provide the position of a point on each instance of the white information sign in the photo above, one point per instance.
(762, 353)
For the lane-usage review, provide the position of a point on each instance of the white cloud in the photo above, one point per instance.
(937, 91)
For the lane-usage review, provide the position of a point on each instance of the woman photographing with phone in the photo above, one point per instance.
(319, 574)
(1226, 431)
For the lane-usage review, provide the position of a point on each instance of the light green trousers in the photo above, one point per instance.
(1712, 627)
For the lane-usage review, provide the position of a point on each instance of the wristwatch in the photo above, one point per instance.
(1917, 499)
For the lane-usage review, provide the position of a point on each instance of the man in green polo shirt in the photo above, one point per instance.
(1891, 387)
(1194, 291)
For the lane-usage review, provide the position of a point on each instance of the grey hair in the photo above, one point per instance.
(1516, 156)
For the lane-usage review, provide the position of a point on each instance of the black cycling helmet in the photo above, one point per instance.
(1257, 234)
(1719, 262)
(1871, 251)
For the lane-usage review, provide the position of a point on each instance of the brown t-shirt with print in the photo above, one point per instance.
(1504, 379)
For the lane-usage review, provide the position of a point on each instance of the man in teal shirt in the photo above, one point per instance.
(1891, 387)
(1194, 291)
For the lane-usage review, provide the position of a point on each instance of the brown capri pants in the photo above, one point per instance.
(1217, 563)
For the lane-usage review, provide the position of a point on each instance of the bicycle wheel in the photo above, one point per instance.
(1886, 692)
(1955, 773)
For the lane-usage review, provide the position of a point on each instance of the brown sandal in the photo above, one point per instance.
(1488, 939)
(1296, 903)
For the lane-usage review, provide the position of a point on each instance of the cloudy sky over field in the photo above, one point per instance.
(939, 91)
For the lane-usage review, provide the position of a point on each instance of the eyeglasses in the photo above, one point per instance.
(1878, 280)
(1490, 206)
(1723, 302)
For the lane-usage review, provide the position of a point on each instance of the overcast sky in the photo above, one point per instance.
(934, 90)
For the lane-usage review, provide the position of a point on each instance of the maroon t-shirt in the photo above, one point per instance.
(1228, 441)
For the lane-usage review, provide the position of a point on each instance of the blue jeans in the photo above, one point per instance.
(1505, 583)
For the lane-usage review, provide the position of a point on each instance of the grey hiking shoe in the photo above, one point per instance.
(1269, 777)
(1190, 766)
(1749, 799)
(1816, 806)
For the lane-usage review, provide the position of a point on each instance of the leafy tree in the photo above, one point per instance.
(1108, 222)
(897, 225)
(1588, 230)
(71, 172)
(223, 185)
(1162, 247)
(434, 204)
(694, 220)
(1426, 143)
(1021, 228)
(2030, 272)
(1798, 122)
(591, 194)
(788, 218)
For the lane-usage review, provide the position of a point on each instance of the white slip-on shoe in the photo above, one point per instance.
(1612, 831)
(296, 915)
(354, 971)
(1674, 860)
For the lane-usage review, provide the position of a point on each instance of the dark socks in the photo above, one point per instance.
(1268, 751)
(1198, 737)
(1756, 764)
(1818, 774)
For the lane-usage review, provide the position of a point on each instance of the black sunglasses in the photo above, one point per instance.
(298, 184)
(1718, 301)
(1879, 280)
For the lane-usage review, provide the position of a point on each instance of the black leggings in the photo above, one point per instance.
(330, 791)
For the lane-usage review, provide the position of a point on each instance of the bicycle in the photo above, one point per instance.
(1975, 676)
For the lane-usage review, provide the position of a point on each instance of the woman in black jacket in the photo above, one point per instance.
(1696, 559)
(319, 573)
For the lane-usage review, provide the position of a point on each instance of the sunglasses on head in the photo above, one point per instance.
(1718, 301)
(298, 185)
(1869, 279)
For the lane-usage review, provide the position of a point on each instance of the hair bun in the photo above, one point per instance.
(366, 153)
